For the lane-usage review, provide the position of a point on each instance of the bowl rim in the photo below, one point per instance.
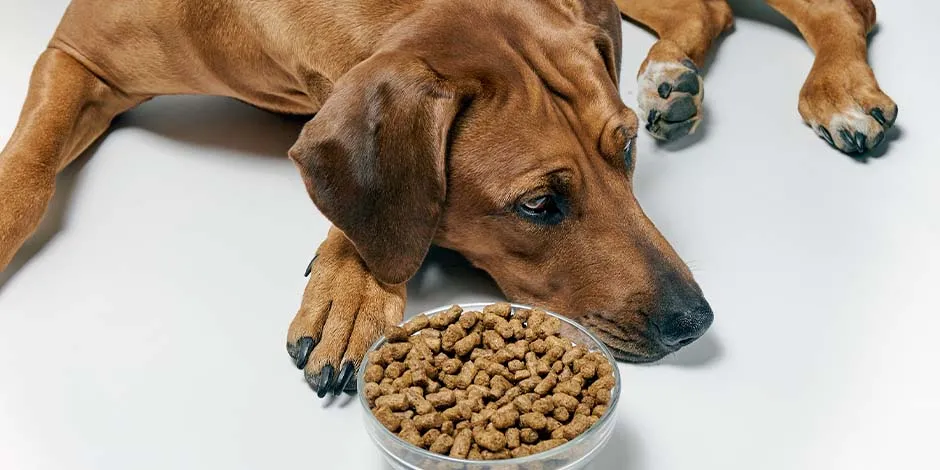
(548, 454)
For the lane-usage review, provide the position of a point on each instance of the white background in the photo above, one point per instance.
(144, 326)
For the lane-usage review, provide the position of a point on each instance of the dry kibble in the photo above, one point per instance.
(466, 344)
(491, 440)
(396, 402)
(461, 445)
(543, 405)
(528, 435)
(533, 420)
(442, 444)
(468, 320)
(495, 384)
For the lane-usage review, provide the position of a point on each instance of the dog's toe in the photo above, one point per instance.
(670, 96)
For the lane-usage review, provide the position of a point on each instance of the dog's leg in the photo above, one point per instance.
(841, 99)
(344, 310)
(670, 81)
(67, 108)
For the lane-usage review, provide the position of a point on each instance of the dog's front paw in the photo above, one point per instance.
(344, 311)
(670, 92)
(845, 106)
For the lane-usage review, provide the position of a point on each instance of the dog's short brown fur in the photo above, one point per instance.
(490, 127)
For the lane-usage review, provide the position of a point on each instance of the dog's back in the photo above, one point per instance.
(272, 54)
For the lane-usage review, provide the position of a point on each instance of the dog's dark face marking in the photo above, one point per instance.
(519, 154)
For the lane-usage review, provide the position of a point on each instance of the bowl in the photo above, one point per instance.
(574, 454)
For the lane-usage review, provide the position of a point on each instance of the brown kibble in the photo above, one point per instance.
(372, 391)
(523, 404)
(518, 330)
(445, 319)
(410, 434)
(583, 410)
(465, 377)
(529, 384)
(565, 374)
(543, 405)
(547, 384)
(550, 326)
(491, 440)
(388, 419)
(509, 396)
(428, 421)
(478, 353)
(451, 366)
(565, 401)
(406, 380)
(373, 373)
(376, 358)
(386, 387)
(493, 340)
(407, 414)
(538, 346)
(481, 418)
(447, 427)
(429, 437)
(522, 375)
(548, 445)
(417, 401)
(599, 410)
(518, 349)
(416, 324)
(468, 320)
(462, 425)
(394, 370)
(594, 419)
(558, 367)
(450, 337)
(602, 395)
(482, 378)
(442, 444)
(521, 451)
(512, 438)
(571, 386)
(394, 402)
(589, 401)
(419, 376)
(396, 334)
(458, 412)
(499, 386)
(501, 309)
(605, 368)
(551, 424)
(533, 420)
(394, 352)
(504, 417)
(536, 317)
(515, 365)
(461, 446)
(433, 386)
(561, 414)
(528, 435)
(554, 354)
(461, 394)
(502, 356)
(475, 454)
(579, 423)
(466, 344)
(574, 353)
(587, 370)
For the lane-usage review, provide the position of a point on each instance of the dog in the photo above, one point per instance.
(491, 127)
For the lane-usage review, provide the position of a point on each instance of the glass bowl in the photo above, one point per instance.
(574, 454)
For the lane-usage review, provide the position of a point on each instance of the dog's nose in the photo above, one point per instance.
(677, 329)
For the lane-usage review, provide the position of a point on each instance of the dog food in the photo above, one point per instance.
(487, 385)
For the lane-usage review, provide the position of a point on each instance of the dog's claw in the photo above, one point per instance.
(326, 381)
(301, 351)
(879, 116)
(310, 266)
(824, 133)
(860, 141)
(848, 140)
(688, 63)
(346, 373)
(877, 140)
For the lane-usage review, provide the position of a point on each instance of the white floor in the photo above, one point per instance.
(144, 327)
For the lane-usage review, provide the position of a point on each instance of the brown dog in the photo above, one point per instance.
(491, 127)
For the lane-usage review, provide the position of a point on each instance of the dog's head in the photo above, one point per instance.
(514, 148)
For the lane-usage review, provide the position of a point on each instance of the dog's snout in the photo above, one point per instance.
(681, 327)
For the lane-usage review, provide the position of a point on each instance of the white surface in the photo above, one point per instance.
(144, 327)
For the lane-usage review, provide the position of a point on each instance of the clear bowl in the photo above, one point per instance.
(574, 454)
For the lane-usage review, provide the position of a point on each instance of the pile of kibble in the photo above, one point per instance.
(487, 385)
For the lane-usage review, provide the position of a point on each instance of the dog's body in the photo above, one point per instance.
(491, 127)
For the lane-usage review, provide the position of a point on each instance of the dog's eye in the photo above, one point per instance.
(542, 209)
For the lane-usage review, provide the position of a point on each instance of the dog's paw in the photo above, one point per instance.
(846, 108)
(344, 311)
(670, 93)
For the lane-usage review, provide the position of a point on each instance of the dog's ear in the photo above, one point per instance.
(373, 159)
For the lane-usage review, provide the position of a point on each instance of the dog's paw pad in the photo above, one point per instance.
(670, 97)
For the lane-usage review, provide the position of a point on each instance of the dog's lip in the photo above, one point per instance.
(632, 357)
(636, 358)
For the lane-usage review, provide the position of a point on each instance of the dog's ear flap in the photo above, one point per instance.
(373, 159)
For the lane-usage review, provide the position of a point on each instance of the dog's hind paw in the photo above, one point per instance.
(670, 96)
(344, 311)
